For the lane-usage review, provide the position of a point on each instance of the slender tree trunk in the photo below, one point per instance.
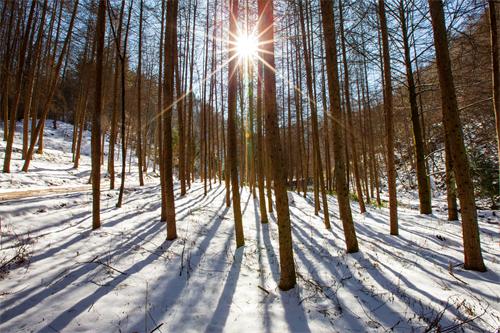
(371, 143)
(139, 102)
(180, 121)
(189, 146)
(473, 258)
(168, 92)
(334, 92)
(231, 123)
(96, 117)
(266, 31)
(424, 192)
(6, 71)
(389, 127)
(160, 116)
(347, 98)
(495, 68)
(318, 168)
(114, 114)
(123, 56)
(260, 145)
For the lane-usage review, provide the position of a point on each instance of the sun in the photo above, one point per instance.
(247, 46)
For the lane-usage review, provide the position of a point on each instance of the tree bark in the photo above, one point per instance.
(389, 126)
(338, 144)
(424, 192)
(473, 258)
(266, 31)
(495, 68)
(347, 98)
(231, 123)
(168, 92)
(139, 101)
(96, 117)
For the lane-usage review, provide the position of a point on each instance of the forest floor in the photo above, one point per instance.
(58, 275)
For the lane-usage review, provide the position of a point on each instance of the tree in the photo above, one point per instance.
(114, 116)
(123, 57)
(139, 101)
(266, 33)
(319, 182)
(424, 191)
(96, 116)
(495, 68)
(232, 154)
(347, 98)
(168, 94)
(389, 124)
(329, 36)
(260, 147)
(473, 258)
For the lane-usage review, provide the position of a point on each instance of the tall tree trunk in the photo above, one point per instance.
(168, 92)
(96, 117)
(114, 114)
(334, 92)
(189, 146)
(473, 258)
(6, 70)
(495, 68)
(389, 127)
(123, 56)
(160, 116)
(139, 102)
(348, 107)
(424, 191)
(373, 156)
(317, 163)
(231, 123)
(260, 145)
(266, 31)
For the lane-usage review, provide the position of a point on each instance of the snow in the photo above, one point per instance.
(55, 166)
(126, 277)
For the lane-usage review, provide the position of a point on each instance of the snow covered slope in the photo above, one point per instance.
(55, 166)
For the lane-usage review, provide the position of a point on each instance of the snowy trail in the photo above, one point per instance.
(21, 194)
(126, 277)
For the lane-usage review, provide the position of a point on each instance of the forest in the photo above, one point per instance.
(237, 165)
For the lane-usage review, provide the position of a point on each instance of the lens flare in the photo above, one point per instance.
(247, 46)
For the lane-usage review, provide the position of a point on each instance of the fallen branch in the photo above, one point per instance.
(104, 264)
(156, 328)
(9, 261)
(263, 289)
(450, 270)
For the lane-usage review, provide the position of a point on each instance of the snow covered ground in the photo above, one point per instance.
(55, 166)
(126, 278)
